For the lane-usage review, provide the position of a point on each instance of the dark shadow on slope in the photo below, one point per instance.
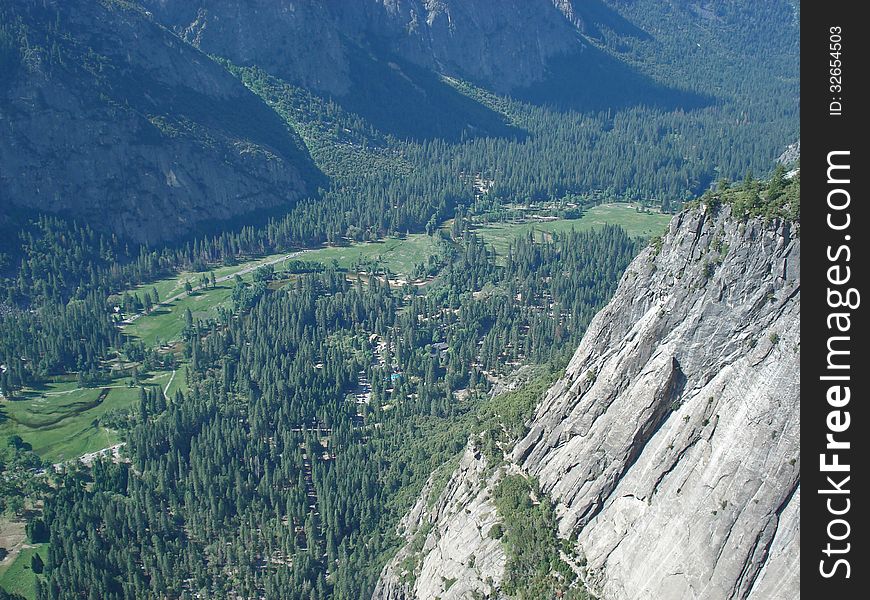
(593, 15)
(18, 219)
(127, 79)
(243, 117)
(411, 102)
(592, 80)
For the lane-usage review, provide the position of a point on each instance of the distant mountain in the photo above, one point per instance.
(132, 116)
(108, 117)
(383, 59)
(313, 43)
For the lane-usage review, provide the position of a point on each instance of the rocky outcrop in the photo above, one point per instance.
(449, 554)
(309, 42)
(298, 41)
(790, 155)
(671, 445)
(107, 117)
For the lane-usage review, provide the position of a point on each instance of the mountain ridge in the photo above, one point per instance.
(148, 140)
(132, 122)
(505, 48)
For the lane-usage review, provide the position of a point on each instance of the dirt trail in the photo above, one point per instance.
(166, 389)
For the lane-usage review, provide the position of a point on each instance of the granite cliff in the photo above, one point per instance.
(448, 533)
(671, 444)
(314, 43)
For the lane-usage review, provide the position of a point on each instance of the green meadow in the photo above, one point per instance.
(165, 323)
(18, 578)
(61, 421)
(399, 255)
(637, 224)
(172, 286)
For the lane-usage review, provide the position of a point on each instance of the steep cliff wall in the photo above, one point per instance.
(671, 445)
(309, 42)
(450, 553)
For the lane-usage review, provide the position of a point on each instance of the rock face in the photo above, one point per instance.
(671, 446)
(109, 118)
(450, 554)
(295, 40)
(790, 155)
(308, 42)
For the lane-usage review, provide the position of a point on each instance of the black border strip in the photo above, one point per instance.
(835, 228)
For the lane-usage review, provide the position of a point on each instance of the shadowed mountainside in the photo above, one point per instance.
(148, 139)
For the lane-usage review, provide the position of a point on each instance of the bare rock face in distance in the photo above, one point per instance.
(112, 120)
(308, 42)
(296, 40)
(671, 446)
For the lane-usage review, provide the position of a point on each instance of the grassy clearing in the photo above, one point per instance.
(12, 537)
(62, 422)
(165, 323)
(637, 224)
(167, 288)
(399, 255)
(176, 383)
(18, 578)
(164, 379)
(169, 381)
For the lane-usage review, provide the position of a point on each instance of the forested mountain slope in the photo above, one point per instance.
(104, 106)
(669, 448)
(109, 118)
